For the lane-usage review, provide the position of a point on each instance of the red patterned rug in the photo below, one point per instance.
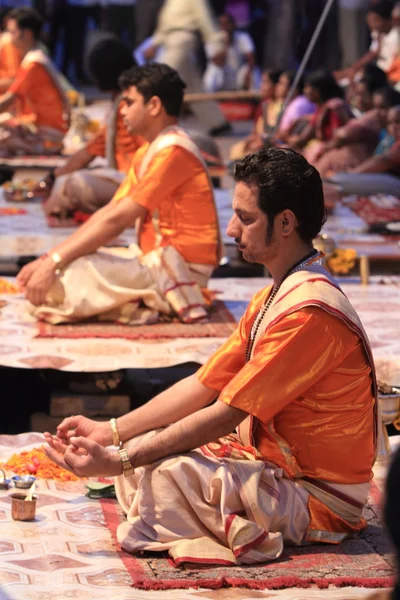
(221, 324)
(377, 209)
(361, 562)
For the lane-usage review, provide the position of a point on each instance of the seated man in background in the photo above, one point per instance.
(169, 196)
(10, 58)
(72, 187)
(233, 68)
(297, 381)
(40, 108)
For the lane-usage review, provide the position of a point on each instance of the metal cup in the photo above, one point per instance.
(21, 509)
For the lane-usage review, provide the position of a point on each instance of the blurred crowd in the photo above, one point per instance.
(263, 33)
(343, 114)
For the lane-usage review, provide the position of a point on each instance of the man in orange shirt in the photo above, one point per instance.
(10, 58)
(297, 381)
(167, 193)
(40, 125)
(75, 187)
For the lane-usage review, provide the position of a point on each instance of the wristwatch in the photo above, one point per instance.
(127, 468)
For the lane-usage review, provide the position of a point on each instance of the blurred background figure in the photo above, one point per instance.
(10, 57)
(234, 67)
(177, 36)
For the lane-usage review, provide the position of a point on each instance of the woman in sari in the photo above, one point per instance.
(360, 138)
(332, 112)
(266, 116)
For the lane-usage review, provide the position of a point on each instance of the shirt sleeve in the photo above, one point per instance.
(97, 145)
(24, 80)
(169, 169)
(245, 43)
(292, 357)
(229, 359)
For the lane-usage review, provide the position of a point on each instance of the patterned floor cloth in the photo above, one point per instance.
(364, 561)
(378, 305)
(376, 209)
(221, 324)
(68, 552)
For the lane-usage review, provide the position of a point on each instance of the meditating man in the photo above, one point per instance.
(167, 193)
(10, 58)
(75, 187)
(297, 381)
(38, 114)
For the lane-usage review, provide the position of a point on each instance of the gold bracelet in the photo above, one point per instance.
(115, 434)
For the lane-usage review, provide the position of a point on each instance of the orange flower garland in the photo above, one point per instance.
(36, 463)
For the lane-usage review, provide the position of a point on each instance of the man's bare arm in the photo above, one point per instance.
(6, 100)
(182, 399)
(202, 427)
(105, 225)
(77, 161)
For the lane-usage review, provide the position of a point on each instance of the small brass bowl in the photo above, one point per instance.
(23, 482)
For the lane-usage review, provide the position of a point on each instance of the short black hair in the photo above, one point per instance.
(391, 96)
(391, 512)
(285, 180)
(159, 80)
(27, 18)
(107, 60)
(323, 81)
(383, 8)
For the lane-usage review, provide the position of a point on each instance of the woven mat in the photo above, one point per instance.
(221, 324)
(361, 562)
(377, 209)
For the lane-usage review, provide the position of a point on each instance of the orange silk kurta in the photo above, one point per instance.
(10, 60)
(309, 385)
(175, 185)
(40, 97)
(126, 144)
(310, 378)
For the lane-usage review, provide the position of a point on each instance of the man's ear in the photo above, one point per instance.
(287, 222)
(155, 106)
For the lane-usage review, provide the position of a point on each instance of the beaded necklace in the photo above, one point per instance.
(316, 256)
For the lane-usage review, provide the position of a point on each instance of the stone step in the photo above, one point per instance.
(89, 405)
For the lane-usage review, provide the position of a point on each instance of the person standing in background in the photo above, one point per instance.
(179, 23)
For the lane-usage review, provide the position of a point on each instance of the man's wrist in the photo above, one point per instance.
(56, 260)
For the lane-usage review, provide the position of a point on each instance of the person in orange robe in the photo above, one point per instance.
(10, 60)
(167, 193)
(36, 97)
(73, 187)
(297, 381)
